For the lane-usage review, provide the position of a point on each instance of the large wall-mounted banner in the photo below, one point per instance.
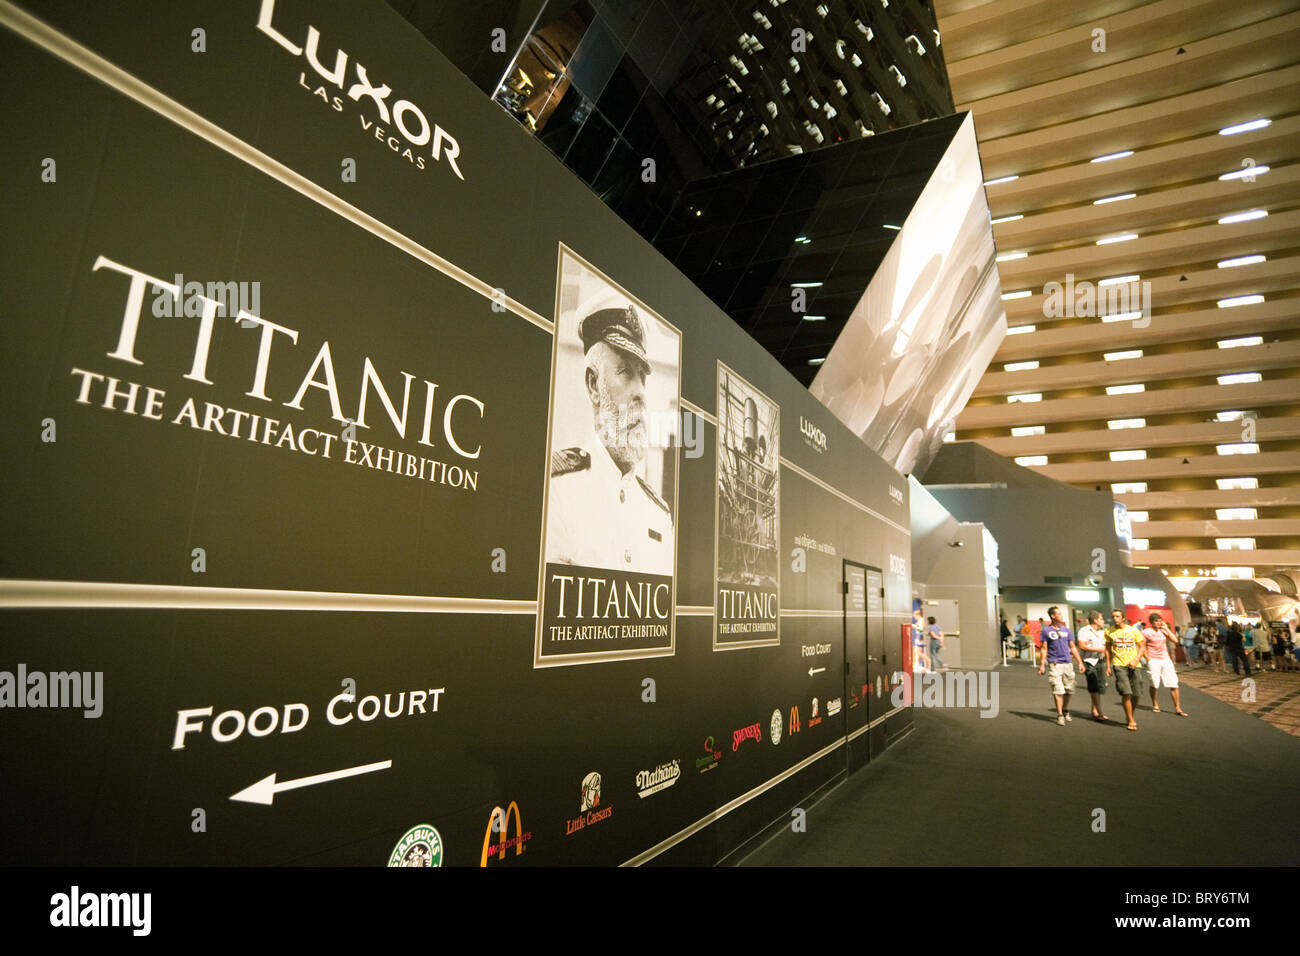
(340, 420)
(747, 504)
(609, 545)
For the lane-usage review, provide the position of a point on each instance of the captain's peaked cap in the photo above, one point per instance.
(621, 328)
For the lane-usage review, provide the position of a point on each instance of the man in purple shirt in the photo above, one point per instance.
(1056, 653)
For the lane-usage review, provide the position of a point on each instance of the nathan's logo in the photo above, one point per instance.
(833, 707)
(812, 435)
(591, 810)
(710, 758)
(412, 134)
(419, 846)
(752, 732)
(815, 717)
(660, 778)
(794, 720)
(775, 727)
(499, 823)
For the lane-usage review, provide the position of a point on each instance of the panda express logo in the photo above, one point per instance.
(405, 129)
(590, 810)
(419, 846)
(499, 823)
(710, 758)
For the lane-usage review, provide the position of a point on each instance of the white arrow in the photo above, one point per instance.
(815, 670)
(264, 790)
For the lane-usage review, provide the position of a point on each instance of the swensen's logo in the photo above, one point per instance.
(419, 846)
(775, 727)
(812, 435)
(815, 718)
(408, 120)
(710, 758)
(660, 778)
(499, 823)
(794, 720)
(591, 810)
(752, 732)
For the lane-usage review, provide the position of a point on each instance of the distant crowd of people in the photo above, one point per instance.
(1134, 656)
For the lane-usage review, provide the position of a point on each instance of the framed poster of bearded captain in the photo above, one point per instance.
(747, 581)
(606, 588)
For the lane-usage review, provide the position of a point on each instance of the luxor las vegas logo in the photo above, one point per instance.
(590, 810)
(403, 128)
(419, 846)
(776, 727)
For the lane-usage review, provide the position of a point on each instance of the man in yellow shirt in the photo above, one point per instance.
(1125, 647)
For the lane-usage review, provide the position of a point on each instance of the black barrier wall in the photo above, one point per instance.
(364, 498)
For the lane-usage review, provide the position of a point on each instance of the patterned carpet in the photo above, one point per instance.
(1277, 693)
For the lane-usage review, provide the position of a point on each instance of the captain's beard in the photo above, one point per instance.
(622, 429)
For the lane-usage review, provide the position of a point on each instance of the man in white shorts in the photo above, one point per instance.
(1160, 666)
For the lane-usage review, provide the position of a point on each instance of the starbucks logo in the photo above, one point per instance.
(420, 846)
(776, 727)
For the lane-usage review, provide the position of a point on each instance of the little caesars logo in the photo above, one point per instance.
(660, 778)
(591, 811)
(420, 846)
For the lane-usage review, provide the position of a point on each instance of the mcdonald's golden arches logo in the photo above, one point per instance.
(499, 823)
(794, 719)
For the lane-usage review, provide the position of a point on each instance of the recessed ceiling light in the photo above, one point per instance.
(1241, 261)
(892, 226)
(1244, 127)
(1121, 316)
(1244, 173)
(1123, 237)
(1019, 294)
(804, 285)
(1008, 256)
(1243, 342)
(1008, 218)
(1020, 329)
(814, 318)
(1236, 300)
(1243, 216)
(816, 361)
(1109, 156)
(1000, 179)
(1119, 280)
(1102, 202)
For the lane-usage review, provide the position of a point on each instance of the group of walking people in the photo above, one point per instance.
(1130, 655)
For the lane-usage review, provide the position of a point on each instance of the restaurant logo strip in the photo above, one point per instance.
(660, 778)
(419, 846)
(609, 543)
(590, 810)
(499, 826)
(747, 569)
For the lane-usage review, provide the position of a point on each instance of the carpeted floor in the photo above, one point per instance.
(1217, 788)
